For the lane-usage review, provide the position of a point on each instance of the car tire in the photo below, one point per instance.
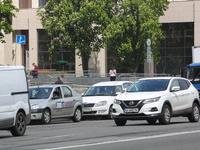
(166, 115)
(151, 121)
(109, 116)
(20, 125)
(77, 115)
(120, 122)
(46, 117)
(194, 116)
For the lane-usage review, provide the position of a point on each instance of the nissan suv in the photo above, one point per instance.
(153, 99)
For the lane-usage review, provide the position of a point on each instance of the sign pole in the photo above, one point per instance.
(20, 39)
(149, 54)
(16, 50)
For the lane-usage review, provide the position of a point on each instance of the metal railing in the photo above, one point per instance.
(85, 74)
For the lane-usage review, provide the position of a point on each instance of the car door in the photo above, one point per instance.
(176, 97)
(69, 101)
(187, 93)
(57, 103)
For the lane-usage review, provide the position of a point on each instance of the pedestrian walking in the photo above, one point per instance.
(59, 81)
(112, 73)
(35, 71)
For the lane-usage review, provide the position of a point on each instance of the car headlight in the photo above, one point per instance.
(35, 106)
(101, 103)
(150, 100)
(117, 101)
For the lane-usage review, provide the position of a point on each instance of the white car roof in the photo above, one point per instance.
(154, 78)
(111, 83)
(11, 67)
(48, 86)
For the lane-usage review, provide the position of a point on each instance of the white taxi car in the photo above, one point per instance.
(155, 99)
(98, 99)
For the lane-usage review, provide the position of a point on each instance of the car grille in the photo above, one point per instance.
(88, 105)
(92, 112)
(131, 103)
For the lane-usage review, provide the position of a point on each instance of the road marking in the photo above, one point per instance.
(126, 140)
(58, 136)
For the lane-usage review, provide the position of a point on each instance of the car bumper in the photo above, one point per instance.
(36, 114)
(144, 112)
(95, 111)
(137, 116)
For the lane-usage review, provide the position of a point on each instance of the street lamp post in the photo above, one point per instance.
(62, 62)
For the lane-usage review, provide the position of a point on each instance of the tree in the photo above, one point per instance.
(6, 15)
(81, 21)
(128, 31)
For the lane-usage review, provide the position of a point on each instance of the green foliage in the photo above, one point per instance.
(128, 31)
(6, 15)
(81, 21)
(124, 26)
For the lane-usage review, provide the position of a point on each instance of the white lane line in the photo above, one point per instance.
(126, 140)
(58, 136)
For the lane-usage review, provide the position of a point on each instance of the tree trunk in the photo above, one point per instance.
(85, 60)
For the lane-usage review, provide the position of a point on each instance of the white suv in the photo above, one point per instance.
(155, 99)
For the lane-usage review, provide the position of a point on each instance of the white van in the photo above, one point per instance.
(15, 109)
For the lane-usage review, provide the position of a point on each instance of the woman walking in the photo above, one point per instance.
(112, 73)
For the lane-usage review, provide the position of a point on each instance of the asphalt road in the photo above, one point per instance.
(99, 134)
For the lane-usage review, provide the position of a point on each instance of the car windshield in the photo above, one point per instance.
(100, 91)
(149, 85)
(39, 93)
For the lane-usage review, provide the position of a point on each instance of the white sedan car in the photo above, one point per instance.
(98, 99)
(155, 99)
(50, 102)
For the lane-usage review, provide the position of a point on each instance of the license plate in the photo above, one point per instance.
(87, 109)
(130, 110)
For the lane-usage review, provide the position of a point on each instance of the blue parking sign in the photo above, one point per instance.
(21, 39)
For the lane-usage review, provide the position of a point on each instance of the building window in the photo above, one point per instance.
(25, 4)
(44, 61)
(43, 3)
(176, 48)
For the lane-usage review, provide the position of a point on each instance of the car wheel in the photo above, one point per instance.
(120, 122)
(194, 116)
(166, 115)
(109, 116)
(151, 121)
(46, 117)
(20, 125)
(77, 115)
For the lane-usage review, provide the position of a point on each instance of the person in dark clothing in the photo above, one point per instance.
(59, 81)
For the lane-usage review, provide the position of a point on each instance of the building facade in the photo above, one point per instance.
(181, 26)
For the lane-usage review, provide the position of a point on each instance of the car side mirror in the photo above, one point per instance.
(55, 97)
(175, 88)
(124, 90)
(82, 94)
(118, 93)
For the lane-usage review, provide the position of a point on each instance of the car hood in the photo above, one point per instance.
(36, 101)
(139, 95)
(96, 99)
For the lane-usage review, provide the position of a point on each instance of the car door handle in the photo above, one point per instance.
(74, 100)
(62, 102)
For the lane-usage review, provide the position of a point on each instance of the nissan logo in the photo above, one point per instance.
(131, 103)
